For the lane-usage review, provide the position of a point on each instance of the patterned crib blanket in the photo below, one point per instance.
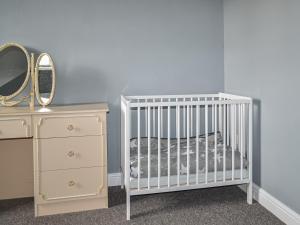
(183, 156)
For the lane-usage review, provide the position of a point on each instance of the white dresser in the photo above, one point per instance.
(69, 154)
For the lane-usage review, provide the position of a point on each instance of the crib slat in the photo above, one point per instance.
(206, 144)
(158, 139)
(162, 120)
(191, 121)
(242, 139)
(188, 147)
(224, 141)
(215, 163)
(197, 143)
(234, 138)
(184, 120)
(220, 124)
(212, 117)
(228, 124)
(139, 146)
(149, 146)
(154, 121)
(169, 146)
(146, 121)
(178, 144)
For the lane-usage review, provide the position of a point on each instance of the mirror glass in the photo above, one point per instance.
(14, 70)
(45, 79)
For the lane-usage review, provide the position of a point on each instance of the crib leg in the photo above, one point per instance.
(122, 180)
(249, 193)
(128, 205)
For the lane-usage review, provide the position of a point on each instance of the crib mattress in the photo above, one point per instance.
(183, 156)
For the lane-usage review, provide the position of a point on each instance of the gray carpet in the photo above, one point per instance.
(225, 205)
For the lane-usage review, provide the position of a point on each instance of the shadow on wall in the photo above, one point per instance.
(257, 141)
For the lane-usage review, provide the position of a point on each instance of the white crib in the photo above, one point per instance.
(183, 142)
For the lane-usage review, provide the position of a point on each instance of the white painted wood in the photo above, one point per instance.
(206, 144)
(226, 118)
(146, 120)
(149, 145)
(276, 207)
(225, 142)
(213, 118)
(127, 158)
(178, 143)
(189, 103)
(154, 121)
(165, 188)
(233, 134)
(242, 135)
(197, 142)
(215, 153)
(162, 120)
(169, 136)
(188, 147)
(250, 150)
(139, 144)
(192, 122)
(184, 121)
(123, 141)
(159, 142)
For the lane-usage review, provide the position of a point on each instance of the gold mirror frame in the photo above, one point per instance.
(36, 77)
(3, 99)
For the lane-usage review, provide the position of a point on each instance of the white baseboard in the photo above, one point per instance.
(114, 179)
(276, 207)
(283, 212)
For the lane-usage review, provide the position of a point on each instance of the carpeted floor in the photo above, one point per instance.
(225, 205)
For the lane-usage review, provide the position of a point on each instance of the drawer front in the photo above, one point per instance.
(69, 126)
(71, 152)
(73, 183)
(15, 127)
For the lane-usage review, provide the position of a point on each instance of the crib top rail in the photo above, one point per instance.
(184, 100)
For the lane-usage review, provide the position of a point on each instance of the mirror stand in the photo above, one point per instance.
(32, 71)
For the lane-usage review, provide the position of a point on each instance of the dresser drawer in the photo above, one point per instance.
(71, 152)
(73, 183)
(69, 126)
(15, 127)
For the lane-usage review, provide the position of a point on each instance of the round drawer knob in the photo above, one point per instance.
(71, 183)
(70, 127)
(71, 153)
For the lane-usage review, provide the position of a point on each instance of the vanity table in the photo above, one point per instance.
(56, 154)
(69, 156)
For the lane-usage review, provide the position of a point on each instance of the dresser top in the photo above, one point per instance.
(84, 108)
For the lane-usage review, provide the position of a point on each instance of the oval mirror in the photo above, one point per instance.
(44, 79)
(14, 70)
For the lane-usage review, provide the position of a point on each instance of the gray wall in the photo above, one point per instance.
(262, 54)
(106, 48)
